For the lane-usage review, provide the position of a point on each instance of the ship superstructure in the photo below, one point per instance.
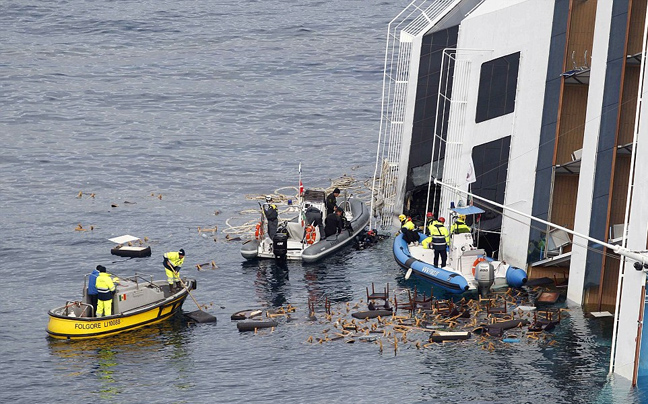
(535, 105)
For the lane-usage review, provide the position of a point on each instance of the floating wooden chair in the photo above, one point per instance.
(377, 296)
(562, 283)
(498, 309)
(410, 304)
(423, 301)
(445, 307)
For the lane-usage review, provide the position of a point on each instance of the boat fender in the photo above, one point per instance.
(254, 325)
(477, 261)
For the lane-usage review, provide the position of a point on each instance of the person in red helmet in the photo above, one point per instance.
(429, 218)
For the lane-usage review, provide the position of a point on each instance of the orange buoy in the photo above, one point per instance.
(258, 232)
(477, 261)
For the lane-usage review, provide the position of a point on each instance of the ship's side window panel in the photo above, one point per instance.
(497, 87)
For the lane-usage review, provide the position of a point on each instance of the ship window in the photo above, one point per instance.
(497, 87)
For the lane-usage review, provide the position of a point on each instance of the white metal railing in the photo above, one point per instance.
(452, 100)
(414, 21)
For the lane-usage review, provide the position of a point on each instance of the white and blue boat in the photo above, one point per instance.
(458, 276)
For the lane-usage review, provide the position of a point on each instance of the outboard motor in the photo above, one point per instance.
(485, 276)
(280, 245)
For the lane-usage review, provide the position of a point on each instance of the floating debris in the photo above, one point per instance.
(212, 265)
(503, 318)
(208, 229)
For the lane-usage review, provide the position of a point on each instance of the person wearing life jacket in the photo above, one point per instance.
(173, 261)
(438, 240)
(92, 288)
(271, 215)
(105, 291)
(430, 219)
(410, 235)
(460, 226)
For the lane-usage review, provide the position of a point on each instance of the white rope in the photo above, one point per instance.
(247, 229)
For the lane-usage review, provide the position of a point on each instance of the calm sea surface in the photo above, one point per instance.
(204, 103)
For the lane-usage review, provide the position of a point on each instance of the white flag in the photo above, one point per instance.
(470, 173)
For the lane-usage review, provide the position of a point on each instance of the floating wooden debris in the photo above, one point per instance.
(208, 229)
(212, 265)
(442, 322)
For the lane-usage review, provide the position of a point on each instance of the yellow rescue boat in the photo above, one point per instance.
(137, 302)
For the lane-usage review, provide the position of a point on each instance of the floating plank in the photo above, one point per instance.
(599, 314)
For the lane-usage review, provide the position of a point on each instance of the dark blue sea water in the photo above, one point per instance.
(204, 103)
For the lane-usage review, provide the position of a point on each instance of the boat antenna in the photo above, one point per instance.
(301, 187)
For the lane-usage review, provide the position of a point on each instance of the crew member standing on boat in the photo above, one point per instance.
(105, 291)
(460, 226)
(92, 288)
(314, 217)
(407, 228)
(333, 223)
(173, 261)
(430, 220)
(271, 215)
(439, 238)
(331, 201)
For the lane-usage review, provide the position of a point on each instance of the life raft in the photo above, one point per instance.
(132, 252)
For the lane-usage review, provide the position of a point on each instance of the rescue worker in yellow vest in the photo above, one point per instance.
(172, 263)
(439, 240)
(429, 219)
(460, 226)
(105, 291)
(410, 235)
